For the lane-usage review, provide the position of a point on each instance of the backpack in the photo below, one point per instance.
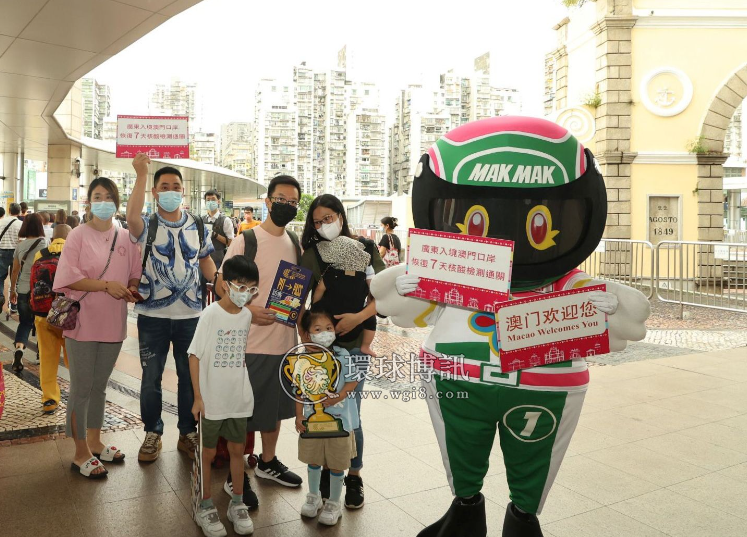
(250, 244)
(42, 282)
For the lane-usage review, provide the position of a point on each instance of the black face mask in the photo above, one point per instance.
(282, 213)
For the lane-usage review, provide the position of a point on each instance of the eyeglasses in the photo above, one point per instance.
(326, 220)
(283, 201)
(244, 288)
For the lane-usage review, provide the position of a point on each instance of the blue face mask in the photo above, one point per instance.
(169, 201)
(103, 210)
(212, 205)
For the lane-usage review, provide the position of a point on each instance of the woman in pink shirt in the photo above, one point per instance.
(100, 267)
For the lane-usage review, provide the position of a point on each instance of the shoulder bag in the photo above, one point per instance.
(64, 311)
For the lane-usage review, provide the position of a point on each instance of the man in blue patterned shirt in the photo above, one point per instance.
(172, 303)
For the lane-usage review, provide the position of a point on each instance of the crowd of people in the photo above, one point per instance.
(164, 264)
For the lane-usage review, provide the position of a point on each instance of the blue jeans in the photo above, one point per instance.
(155, 335)
(357, 462)
(6, 263)
(25, 319)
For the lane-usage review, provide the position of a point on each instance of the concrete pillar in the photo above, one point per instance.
(61, 179)
(613, 77)
(10, 173)
(711, 197)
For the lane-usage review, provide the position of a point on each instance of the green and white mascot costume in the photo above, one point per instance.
(530, 181)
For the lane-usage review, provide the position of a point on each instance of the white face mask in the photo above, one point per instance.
(332, 230)
(325, 339)
(239, 298)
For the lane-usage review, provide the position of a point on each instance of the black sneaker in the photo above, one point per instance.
(324, 484)
(17, 360)
(353, 492)
(278, 472)
(250, 497)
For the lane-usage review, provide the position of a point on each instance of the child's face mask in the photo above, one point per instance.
(325, 339)
(240, 295)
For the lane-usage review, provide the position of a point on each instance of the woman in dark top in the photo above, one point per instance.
(389, 241)
(345, 296)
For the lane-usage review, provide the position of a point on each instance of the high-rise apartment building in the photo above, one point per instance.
(178, 98)
(202, 147)
(421, 118)
(319, 134)
(236, 148)
(335, 125)
(303, 99)
(109, 130)
(733, 141)
(469, 98)
(96, 101)
(366, 152)
(275, 120)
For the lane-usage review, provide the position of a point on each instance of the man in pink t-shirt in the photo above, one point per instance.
(269, 341)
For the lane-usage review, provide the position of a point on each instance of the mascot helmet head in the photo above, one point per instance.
(518, 178)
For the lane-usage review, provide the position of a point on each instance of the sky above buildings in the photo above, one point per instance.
(226, 46)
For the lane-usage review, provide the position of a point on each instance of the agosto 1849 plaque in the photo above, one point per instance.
(663, 218)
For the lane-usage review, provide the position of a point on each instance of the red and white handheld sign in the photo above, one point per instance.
(460, 270)
(551, 328)
(156, 136)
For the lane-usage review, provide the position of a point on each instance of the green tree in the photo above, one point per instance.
(303, 207)
(577, 3)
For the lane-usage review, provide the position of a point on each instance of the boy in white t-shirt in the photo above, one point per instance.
(223, 394)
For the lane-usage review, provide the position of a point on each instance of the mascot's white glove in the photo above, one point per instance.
(388, 288)
(406, 283)
(628, 310)
(604, 302)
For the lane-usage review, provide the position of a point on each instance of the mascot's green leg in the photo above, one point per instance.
(535, 428)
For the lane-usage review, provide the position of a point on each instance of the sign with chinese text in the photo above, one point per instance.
(156, 136)
(551, 328)
(460, 270)
(663, 219)
(288, 292)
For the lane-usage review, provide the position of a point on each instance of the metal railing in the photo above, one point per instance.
(623, 261)
(706, 274)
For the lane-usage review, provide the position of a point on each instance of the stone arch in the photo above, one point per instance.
(716, 120)
(710, 165)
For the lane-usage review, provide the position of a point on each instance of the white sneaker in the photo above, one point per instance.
(239, 515)
(210, 523)
(312, 506)
(331, 513)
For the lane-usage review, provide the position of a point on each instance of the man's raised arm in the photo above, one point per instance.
(137, 198)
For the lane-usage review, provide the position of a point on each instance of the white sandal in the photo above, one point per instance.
(88, 467)
(110, 455)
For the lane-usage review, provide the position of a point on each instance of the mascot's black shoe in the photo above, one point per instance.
(518, 524)
(465, 518)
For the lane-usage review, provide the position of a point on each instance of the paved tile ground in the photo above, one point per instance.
(661, 449)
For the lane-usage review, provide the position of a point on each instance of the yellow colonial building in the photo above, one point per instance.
(650, 86)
